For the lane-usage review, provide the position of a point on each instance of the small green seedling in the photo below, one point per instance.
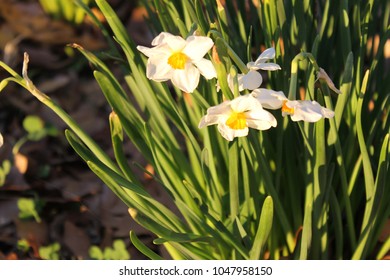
(28, 208)
(5, 169)
(117, 252)
(50, 252)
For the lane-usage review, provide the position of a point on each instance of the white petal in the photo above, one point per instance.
(161, 38)
(206, 68)
(218, 113)
(326, 113)
(308, 111)
(145, 50)
(266, 55)
(243, 103)
(226, 131)
(251, 66)
(159, 50)
(215, 114)
(231, 83)
(261, 115)
(208, 120)
(300, 115)
(1, 140)
(240, 132)
(268, 66)
(259, 118)
(197, 47)
(229, 134)
(251, 80)
(222, 109)
(187, 79)
(217, 86)
(175, 43)
(269, 99)
(158, 69)
(262, 124)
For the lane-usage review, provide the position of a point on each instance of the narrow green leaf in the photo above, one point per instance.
(88, 156)
(5, 82)
(114, 22)
(383, 164)
(368, 174)
(334, 140)
(263, 230)
(385, 248)
(17, 77)
(117, 143)
(307, 231)
(342, 99)
(67, 9)
(201, 17)
(242, 232)
(270, 188)
(344, 27)
(129, 117)
(228, 237)
(79, 12)
(187, 251)
(143, 248)
(338, 225)
(380, 196)
(164, 233)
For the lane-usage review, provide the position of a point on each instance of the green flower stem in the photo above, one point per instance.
(233, 179)
(294, 74)
(89, 142)
(240, 64)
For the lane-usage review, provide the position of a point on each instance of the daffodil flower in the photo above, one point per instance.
(1, 140)
(181, 61)
(234, 117)
(269, 98)
(298, 110)
(253, 79)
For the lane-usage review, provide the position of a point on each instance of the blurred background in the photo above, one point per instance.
(51, 205)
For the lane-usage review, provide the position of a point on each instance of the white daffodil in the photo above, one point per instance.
(253, 79)
(1, 140)
(299, 110)
(234, 117)
(305, 110)
(269, 98)
(181, 61)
